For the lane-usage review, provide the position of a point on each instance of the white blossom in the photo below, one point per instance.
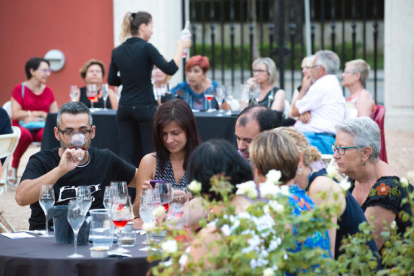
(247, 188)
(268, 272)
(276, 206)
(404, 182)
(158, 212)
(268, 189)
(169, 246)
(274, 176)
(345, 185)
(266, 209)
(410, 177)
(332, 172)
(149, 227)
(284, 190)
(393, 225)
(194, 186)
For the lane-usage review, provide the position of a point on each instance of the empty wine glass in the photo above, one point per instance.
(73, 92)
(46, 201)
(175, 218)
(164, 189)
(229, 98)
(121, 211)
(76, 217)
(220, 94)
(119, 189)
(149, 200)
(91, 93)
(209, 95)
(255, 93)
(78, 141)
(107, 199)
(244, 92)
(105, 94)
(84, 194)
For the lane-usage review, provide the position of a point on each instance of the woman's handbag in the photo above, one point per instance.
(32, 125)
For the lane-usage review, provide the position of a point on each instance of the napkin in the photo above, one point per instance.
(147, 248)
(18, 235)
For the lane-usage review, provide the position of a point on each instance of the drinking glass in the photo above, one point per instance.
(176, 217)
(209, 95)
(244, 92)
(46, 201)
(105, 94)
(107, 199)
(220, 94)
(119, 189)
(73, 92)
(76, 217)
(84, 194)
(78, 141)
(149, 200)
(255, 93)
(91, 93)
(229, 98)
(121, 212)
(165, 193)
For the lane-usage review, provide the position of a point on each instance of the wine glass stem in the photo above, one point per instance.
(148, 238)
(104, 104)
(119, 238)
(209, 105)
(47, 225)
(75, 234)
(91, 104)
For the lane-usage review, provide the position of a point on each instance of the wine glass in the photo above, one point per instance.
(175, 218)
(76, 217)
(255, 93)
(107, 199)
(165, 193)
(119, 189)
(220, 94)
(209, 95)
(121, 211)
(105, 94)
(78, 141)
(91, 93)
(73, 92)
(149, 200)
(244, 93)
(46, 201)
(229, 98)
(84, 194)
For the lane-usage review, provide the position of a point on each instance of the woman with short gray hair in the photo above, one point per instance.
(264, 76)
(360, 102)
(374, 184)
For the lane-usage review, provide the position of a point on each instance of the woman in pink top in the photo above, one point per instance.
(360, 103)
(31, 100)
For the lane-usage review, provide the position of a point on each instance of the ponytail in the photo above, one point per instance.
(131, 23)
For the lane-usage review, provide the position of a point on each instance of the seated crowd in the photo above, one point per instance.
(321, 121)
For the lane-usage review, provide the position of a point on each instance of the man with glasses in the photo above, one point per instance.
(321, 105)
(73, 164)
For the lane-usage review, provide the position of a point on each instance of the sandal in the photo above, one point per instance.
(12, 178)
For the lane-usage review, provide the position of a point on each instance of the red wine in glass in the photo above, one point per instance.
(209, 98)
(166, 206)
(121, 223)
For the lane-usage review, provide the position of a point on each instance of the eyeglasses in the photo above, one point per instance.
(348, 72)
(341, 150)
(47, 71)
(315, 66)
(69, 133)
(307, 67)
(259, 71)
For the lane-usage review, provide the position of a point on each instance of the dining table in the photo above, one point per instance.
(210, 125)
(43, 256)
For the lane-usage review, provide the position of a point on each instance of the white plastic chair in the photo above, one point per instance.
(328, 159)
(8, 143)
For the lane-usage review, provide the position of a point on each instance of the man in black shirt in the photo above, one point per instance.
(62, 168)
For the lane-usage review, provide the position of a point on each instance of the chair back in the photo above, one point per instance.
(8, 143)
(379, 118)
(7, 107)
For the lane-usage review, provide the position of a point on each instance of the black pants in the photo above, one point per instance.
(135, 133)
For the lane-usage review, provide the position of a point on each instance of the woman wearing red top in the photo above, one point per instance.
(31, 100)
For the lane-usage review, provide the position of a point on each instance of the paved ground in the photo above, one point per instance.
(400, 150)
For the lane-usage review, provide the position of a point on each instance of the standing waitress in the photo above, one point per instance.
(131, 65)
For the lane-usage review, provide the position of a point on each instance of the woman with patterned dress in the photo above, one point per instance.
(375, 184)
(175, 137)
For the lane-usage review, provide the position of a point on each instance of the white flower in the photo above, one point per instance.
(266, 209)
(169, 246)
(393, 225)
(247, 188)
(410, 177)
(345, 185)
(158, 212)
(278, 208)
(332, 172)
(194, 186)
(274, 176)
(149, 227)
(404, 182)
(268, 189)
(268, 272)
(284, 190)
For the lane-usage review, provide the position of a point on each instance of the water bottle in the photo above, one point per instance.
(185, 33)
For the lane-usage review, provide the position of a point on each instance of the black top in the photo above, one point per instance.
(388, 193)
(268, 99)
(100, 104)
(168, 175)
(349, 221)
(5, 124)
(134, 60)
(103, 167)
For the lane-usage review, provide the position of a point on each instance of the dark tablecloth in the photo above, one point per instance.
(210, 126)
(42, 256)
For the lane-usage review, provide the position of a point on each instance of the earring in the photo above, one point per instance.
(257, 178)
(299, 171)
(363, 163)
